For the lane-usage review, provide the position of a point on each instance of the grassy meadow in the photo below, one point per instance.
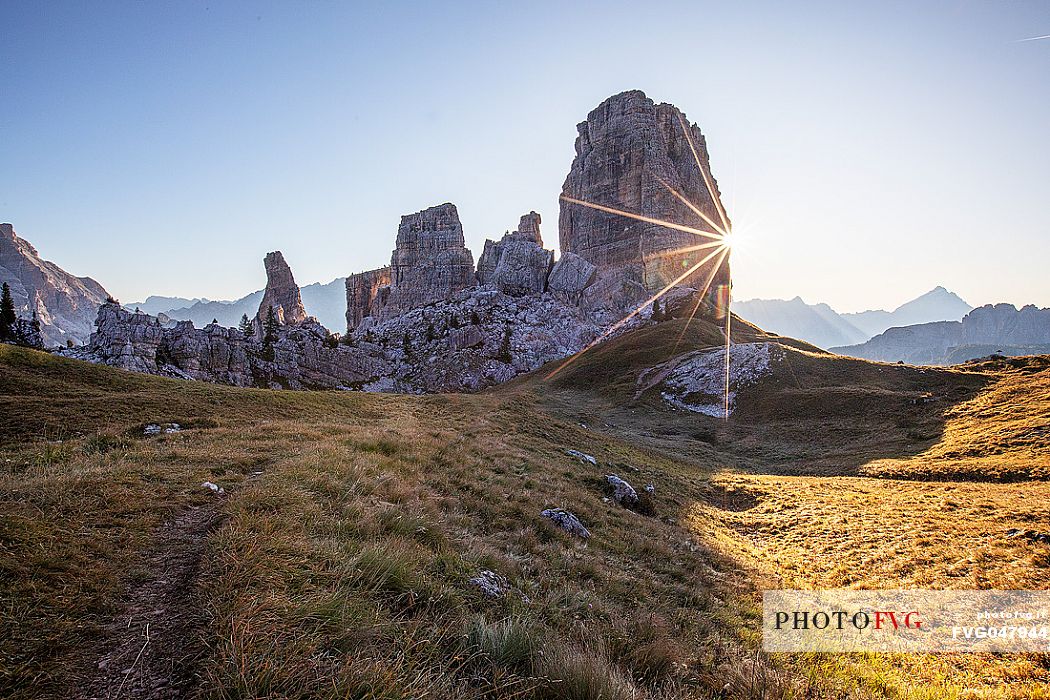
(337, 562)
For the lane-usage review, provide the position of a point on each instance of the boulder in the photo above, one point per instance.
(492, 585)
(566, 521)
(583, 457)
(623, 492)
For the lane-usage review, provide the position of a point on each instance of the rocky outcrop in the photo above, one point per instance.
(65, 305)
(430, 262)
(570, 276)
(518, 263)
(985, 330)
(363, 298)
(301, 356)
(476, 338)
(430, 322)
(282, 293)
(630, 154)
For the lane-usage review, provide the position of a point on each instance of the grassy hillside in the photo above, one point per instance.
(337, 563)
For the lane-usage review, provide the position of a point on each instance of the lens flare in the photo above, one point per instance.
(720, 245)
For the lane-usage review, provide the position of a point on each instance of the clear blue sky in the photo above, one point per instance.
(866, 154)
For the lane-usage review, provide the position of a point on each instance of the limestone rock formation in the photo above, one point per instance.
(430, 262)
(517, 264)
(625, 148)
(65, 305)
(477, 338)
(282, 293)
(570, 276)
(302, 359)
(363, 298)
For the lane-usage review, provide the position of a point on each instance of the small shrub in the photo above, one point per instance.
(50, 455)
(645, 505)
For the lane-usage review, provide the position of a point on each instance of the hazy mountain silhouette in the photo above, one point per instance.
(937, 304)
(823, 326)
(155, 304)
(815, 323)
(1001, 329)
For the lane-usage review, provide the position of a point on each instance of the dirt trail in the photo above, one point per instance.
(151, 646)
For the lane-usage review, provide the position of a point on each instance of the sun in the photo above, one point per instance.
(718, 241)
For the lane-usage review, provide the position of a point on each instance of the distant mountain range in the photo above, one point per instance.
(325, 301)
(937, 304)
(824, 327)
(999, 329)
(815, 323)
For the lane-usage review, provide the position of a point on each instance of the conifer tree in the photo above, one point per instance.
(246, 326)
(270, 326)
(7, 314)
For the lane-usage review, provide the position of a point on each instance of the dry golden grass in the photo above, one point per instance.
(352, 524)
(1002, 434)
(341, 570)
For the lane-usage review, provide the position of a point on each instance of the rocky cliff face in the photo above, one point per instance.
(518, 263)
(65, 305)
(627, 145)
(430, 262)
(363, 298)
(430, 322)
(985, 330)
(282, 293)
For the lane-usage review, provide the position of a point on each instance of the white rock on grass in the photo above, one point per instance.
(623, 492)
(491, 584)
(566, 521)
(214, 487)
(583, 457)
(697, 383)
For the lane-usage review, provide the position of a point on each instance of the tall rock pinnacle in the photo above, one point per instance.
(282, 293)
(431, 261)
(625, 148)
